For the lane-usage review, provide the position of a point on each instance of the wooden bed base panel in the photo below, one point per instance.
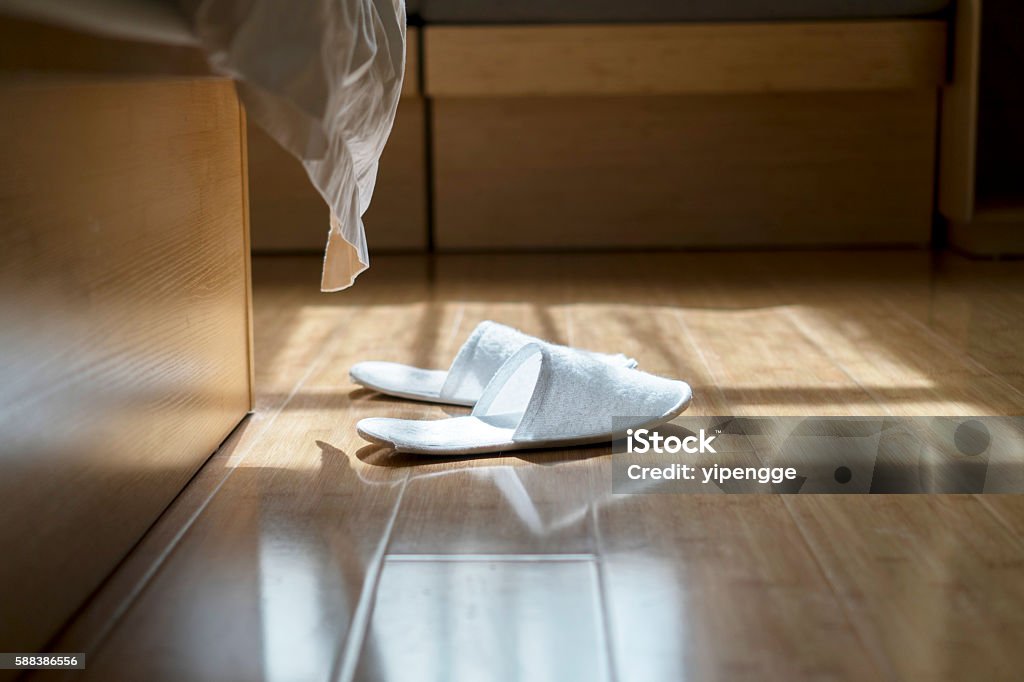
(126, 322)
(706, 135)
(684, 171)
(713, 135)
(493, 61)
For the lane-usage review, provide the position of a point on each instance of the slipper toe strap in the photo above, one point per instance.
(481, 356)
(565, 395)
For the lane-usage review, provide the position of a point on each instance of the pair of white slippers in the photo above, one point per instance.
(526, 393)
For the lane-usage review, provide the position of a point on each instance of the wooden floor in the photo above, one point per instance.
(301, 552)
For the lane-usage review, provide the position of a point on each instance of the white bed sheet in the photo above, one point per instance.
(323, 77)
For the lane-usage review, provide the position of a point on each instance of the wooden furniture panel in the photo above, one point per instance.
(721, 170)
(979, 192)
(958, 136)
(995, 230)
(1000, 136)
(125, 334)
(411, 86)
(683, 58)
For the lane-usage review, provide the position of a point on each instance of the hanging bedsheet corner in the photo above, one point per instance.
(323, 77)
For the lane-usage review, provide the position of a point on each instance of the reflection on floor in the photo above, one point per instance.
(300, 552)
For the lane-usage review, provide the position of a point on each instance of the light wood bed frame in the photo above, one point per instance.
(127, 326)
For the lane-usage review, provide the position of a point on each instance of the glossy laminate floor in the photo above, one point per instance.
(301, 552)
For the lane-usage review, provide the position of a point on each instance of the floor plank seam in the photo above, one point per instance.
(602, 594)
(344, 669)
(688, 333)
(575, 557)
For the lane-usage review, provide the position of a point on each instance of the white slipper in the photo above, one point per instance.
(486, 349)
(543, 396)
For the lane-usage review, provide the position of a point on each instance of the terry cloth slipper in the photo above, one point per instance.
(486, 349)
(543, 396)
